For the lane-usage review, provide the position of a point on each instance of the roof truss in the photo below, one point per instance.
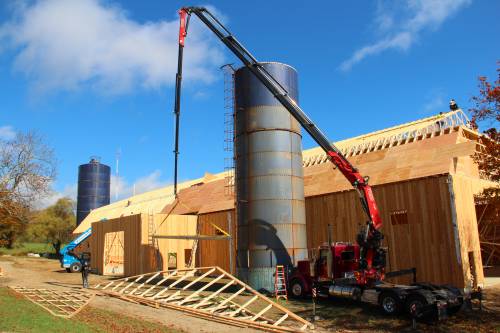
(207, 292)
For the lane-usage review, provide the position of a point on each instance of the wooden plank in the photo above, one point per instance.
(216, 253)
(470, 247)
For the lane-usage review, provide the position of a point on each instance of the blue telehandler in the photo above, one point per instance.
(70, 260)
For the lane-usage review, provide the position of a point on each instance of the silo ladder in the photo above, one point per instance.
(280, 290)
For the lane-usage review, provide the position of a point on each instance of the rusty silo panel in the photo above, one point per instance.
(269, 178)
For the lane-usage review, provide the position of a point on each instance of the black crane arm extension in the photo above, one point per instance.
(359, 182)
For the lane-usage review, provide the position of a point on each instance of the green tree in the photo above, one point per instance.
(53, 224)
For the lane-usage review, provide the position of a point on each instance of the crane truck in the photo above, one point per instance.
(346, 270)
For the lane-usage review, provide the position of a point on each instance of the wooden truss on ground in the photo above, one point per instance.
(207, 292)
(59, 303)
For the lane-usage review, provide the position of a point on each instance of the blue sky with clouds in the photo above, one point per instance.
(95, 77)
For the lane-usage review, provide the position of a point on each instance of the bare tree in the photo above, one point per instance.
(27, 169)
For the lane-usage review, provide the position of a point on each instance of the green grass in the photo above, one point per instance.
(20, 315)
(26, 248)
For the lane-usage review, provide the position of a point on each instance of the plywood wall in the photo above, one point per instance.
(400, 163)
(424, 238)
(131, 227)
(429, 223)
(216, 252)
(139, 255)
(463, 190)
(178, 225)
(419, 226)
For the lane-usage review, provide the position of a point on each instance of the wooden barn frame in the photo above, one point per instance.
(424, 180)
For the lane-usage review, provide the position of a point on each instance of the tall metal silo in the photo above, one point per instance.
(269, 178)
(94, 180)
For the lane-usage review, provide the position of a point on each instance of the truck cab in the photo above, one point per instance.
(335, 272)
(338, 261)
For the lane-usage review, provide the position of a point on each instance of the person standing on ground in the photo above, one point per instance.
(85, 261)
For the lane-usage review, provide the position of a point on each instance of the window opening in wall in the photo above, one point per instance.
(187, 257)
(172, 260)
(399, 217)
(114, 253)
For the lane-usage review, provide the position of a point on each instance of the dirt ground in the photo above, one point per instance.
(334, 316)
(45, 273)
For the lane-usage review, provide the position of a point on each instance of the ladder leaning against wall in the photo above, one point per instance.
(153, 242)
(194, 248)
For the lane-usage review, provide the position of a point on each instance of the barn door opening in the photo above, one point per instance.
(114, 253)
(399, 243)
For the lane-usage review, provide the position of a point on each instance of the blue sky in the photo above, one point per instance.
(94, 77)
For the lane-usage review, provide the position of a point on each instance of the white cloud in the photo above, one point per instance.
(119, 185)
(124, 189)
(69, 44)
(7, 132)
(401, 23)
(69, 191)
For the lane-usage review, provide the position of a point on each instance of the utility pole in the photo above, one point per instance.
(117, 174)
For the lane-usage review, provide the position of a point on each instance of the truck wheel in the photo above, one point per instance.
(390, 303)
(297, 289)
(453, 309)
(415, 303)
(75, 267)
(68, 270)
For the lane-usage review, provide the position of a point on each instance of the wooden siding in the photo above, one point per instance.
(427, 241)
(173, 225)
(131, 226)
(399, 163)
(216, 252)
(463, 190)
(429, 223)
(140, 256)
